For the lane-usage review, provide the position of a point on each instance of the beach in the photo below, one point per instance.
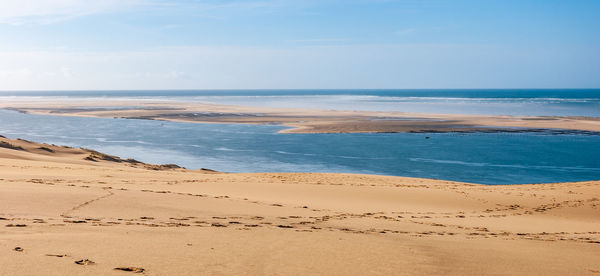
(304, 120)
(71, 210)
(279, 137)
(76, 211)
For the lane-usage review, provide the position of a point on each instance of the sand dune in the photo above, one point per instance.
(66, 211)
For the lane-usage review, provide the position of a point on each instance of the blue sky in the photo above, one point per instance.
(254, 44)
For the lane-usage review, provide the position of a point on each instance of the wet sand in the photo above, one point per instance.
(305, 120)
(66, 211)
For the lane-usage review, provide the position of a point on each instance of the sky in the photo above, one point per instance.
(298, 44)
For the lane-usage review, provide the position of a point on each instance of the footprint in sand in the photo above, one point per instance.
(75, 221)
(16, 225)
(130, 269)
(57, 255)
(85, 262)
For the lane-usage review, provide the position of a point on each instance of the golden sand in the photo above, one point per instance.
(66, 211)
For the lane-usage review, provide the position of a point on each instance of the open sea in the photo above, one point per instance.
(487, 158)
(542, 102)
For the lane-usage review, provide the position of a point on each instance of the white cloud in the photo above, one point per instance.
(42, 12)
(349, 66)
(18, 73)
(66, 72)
(19, 12)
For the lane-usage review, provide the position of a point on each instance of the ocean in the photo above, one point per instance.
(486, 158)
(526, 102)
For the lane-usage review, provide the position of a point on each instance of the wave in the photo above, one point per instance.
(224, 149)
(514, 166)
(392, 98)
(334, 156)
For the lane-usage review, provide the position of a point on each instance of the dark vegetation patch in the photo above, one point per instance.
(95, 156)
(7, 145)
(46, 149)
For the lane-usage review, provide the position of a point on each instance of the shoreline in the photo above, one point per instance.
(311, 121)
(58, 208)
(91, 155)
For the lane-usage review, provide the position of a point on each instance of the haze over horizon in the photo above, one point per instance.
(303, 44)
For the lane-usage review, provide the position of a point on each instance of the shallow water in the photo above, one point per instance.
(535, 102)
(489, 158)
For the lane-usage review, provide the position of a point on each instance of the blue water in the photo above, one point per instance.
(536, 102)
(488, 158)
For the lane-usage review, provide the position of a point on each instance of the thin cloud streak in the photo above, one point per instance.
(43, 12)
(319, 40)
(234, 67)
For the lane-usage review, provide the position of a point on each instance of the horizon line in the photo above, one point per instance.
(286, 89)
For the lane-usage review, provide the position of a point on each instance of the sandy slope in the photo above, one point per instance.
(61, 208)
